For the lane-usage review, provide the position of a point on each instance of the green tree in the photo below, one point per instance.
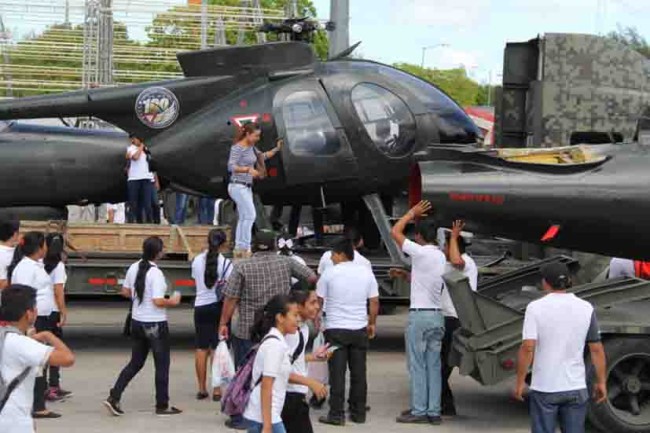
(631, 37)
(454, 82)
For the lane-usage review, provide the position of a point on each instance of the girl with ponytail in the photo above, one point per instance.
(245, 164)
(146, 286)
(272, 365)
(27, 269)
(210, 271)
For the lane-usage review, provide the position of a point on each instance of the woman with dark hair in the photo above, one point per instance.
(210, 271)
(55, 267)
(245, 164)
(27, 269)
(146, 286)
(272, 365)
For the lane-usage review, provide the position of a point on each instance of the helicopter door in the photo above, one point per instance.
(316, 148)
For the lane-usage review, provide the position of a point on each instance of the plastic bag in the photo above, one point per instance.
(318, 370)
(223, 367)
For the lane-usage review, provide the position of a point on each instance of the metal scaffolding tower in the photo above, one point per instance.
(98, 44)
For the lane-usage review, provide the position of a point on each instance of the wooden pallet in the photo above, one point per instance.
(127, 238)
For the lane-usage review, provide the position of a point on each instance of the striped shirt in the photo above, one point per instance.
(242, 156)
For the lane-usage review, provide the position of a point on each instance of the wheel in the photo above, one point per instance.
(627, 409)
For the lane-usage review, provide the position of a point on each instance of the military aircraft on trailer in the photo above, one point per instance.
(353, 128)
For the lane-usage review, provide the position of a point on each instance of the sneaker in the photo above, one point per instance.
(63, 393)
(113, 406)
(171, 410)
(435, 420)
(52, 395)
(330, 420)
(412, 419)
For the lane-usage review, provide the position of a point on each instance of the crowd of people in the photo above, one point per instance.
(265, 303)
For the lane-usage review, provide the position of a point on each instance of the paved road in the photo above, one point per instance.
(101, 352)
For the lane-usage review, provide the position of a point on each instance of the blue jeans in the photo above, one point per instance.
(256, 427)
(206, 211)
(424, 334)
(181, 208)
(243, 198)
(569, 408)
(139, 194)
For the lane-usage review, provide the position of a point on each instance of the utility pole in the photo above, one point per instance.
(340, 36)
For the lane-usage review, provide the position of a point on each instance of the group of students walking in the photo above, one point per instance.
(32, 280)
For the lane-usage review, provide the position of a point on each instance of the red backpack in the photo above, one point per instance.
(642, 269)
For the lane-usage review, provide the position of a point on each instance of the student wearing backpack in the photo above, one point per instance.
(272, 365)
(27, 269)
(295, 414)
(145, 284)
(22, 358)
(210, 271)
(55, 268)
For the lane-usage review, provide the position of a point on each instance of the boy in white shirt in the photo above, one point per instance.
(23, 357)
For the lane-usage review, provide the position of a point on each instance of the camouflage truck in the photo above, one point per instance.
(563, 89)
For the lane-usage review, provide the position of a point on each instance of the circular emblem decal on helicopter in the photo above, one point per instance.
(157, 107)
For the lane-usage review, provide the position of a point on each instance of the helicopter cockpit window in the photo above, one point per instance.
(387, 120)
(308, 127)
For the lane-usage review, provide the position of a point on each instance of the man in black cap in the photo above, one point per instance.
(556, 329)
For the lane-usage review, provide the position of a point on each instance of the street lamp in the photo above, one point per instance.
(430, 47)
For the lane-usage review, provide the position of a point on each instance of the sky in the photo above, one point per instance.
(467, 33)
(474, 32)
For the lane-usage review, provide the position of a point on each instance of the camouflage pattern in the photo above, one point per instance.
(581, 83)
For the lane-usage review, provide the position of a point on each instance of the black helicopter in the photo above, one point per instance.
(353, 128)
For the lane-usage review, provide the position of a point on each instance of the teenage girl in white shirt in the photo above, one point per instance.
(210, 271)
(55, 268)
(145, 284)
(272, 365)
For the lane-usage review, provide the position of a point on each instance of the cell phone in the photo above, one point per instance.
(332, 349)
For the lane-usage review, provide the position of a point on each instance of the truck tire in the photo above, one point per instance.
(627, 409)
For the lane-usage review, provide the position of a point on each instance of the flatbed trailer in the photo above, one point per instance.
(485, 347)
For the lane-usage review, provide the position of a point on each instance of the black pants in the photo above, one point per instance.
(55, 375)
(353, 348)
(147, 336)
(43, 323)
(139, 194)
(295, 414)
(447, 398)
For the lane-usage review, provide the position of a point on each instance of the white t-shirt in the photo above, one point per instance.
(58, 276)
(346, 289)
(138, 168)
(119, 213)
(561, 324)
(471, 272)
(619, 268)
(300, 365)
(155, 287)
(205, 295)
(217, 206)
(272, 360)
(21, 352)
(326, 261)
(6, 256)
(427, 267)
(32, 273)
